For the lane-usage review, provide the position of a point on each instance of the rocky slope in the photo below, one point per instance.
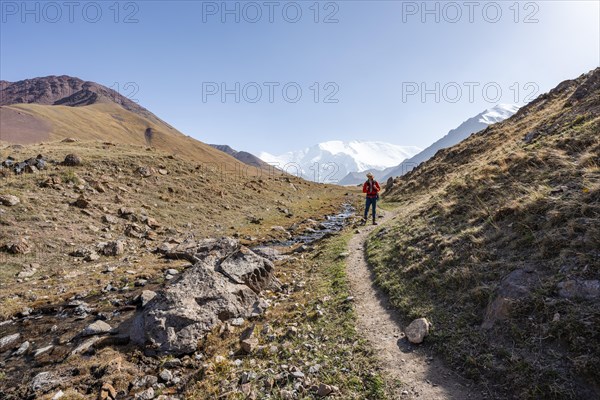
(496, 242)
(117, 281)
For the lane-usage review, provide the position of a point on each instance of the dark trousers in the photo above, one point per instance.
(370, 201)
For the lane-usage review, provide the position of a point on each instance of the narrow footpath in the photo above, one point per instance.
(409, 371)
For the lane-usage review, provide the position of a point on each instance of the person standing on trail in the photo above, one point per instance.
(371, 188)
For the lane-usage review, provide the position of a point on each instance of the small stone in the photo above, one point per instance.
(145, 297)
(248, 376)
(171, 271)
(292, 331)
(9, 340)
(298, 374)
(108, 392)
(579, 289)
(141, 282)
(92, 256)
(82, 202)
(126, 212)
(146, 381)
(96, 328)
(19, 246)
(27, 272)
(72, 160)
(145, 171)
(58, 395)
(286, 395)
(9, 200)
(248, 340)
(417, 330)
(22, 349)
(220, 359)
(166, 375)
(85, 346)
(147, 394)
(42, 350)
(173, 363)
(324, 390)
(237, 322)
(110, 219)
(114, 248)
(43, 380)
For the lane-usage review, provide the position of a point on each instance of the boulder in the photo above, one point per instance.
(246, 267)
(417, 330)
(114, 248)
(222, 284)
(96, 328)
(72, 160)
(9, 200)
(19, 246)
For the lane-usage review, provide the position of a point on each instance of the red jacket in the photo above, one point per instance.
(371, 189)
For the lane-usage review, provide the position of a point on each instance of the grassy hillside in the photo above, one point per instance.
(497, 242)
(105, 122)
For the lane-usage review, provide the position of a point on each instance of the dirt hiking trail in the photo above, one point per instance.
(408, 370)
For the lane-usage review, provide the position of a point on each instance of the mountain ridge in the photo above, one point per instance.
(56, 107)
(330, 161)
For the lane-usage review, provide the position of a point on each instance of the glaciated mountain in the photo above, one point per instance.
(330, 161)
(472, 125)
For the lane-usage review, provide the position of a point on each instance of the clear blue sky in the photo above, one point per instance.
(374, 55)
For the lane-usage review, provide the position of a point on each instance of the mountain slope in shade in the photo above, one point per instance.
(331, 161)
(56, 107)
(243, 156)
(480, 121)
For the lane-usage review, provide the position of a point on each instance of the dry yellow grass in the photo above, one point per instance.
(109, 122)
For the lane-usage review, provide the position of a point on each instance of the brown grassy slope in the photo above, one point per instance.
(105, 122)
(191, 199)
(488, 234)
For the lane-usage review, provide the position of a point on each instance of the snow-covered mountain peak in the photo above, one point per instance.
(498, 113)
(331, 161)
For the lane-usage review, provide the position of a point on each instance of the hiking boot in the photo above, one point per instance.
(374, 222)
(364, 221)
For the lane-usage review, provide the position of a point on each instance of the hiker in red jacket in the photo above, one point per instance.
(371, 188)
